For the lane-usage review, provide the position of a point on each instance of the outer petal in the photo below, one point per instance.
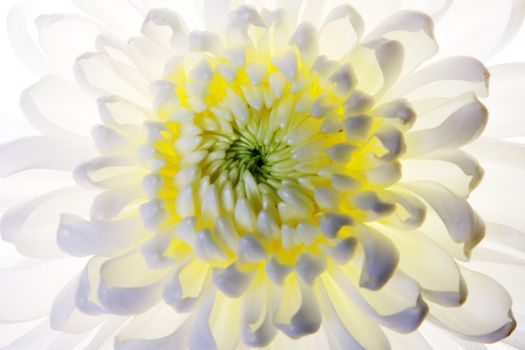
(53, 105)
(431, 266)
(486, 297)
(35, 286)
(506, 100)
(124, 293)
(30, 228)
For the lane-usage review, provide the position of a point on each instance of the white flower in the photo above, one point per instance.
(280, 174)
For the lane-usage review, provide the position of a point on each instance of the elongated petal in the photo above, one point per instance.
(485, 297)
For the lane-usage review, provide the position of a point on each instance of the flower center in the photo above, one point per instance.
(270, 159)
(244, 153)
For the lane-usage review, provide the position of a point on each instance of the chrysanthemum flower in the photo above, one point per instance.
(278, 174)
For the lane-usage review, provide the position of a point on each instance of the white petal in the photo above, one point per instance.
(239, 22)
(20, 155)
(207, 248)
(287, 65)
(166, 28)
(341, 19)
(381, 259)
(185, 202)
(339, 311)
(341, 152)
(129, 17)
(389, 56)
(430, 265)
(201, 336)
(497, 27)
(82, 238)
(505, 101)
(205, 42)
(64, 37)
(53, 105)
(250, 249)
(461, 127)
(331, 223)
(115, 111)
(155, 249)
(185, 286)
(486, 297)
(109, 141)
(231, 281)
(463, 224)
(32, 226)
(266, 225)
(277, 271)
(35, 286)
(122, 293)
(65, 316)
(257, 316)
(398, 305)
(309, 267)
(152, 213)
(306, 40)
(303, 319)
(24, 46)
(256, 72)
(101, 75)
(414, 31)
(446, 78)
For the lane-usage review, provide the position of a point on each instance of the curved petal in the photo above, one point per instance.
(53, 105)
(427, 263)
(79, 237)
(435, 9)
(115, 111)
(166, 28)
(186, 285)
(506, 100)
(398, 305)
(215, 13)
(448, 77)
(20, 155)
(120, 15)
(414, 31)
(372, 11)
(494, 21)
(122, 293)
(32, 226)
(409, 213)
(24, 46)
(257, 315)
(201, 336)
(341, 19)
(381, 259)
(109, 171)
(101, 75)
(297, 318)
(226, 334)
(461, 127)
(66, 317)
(377, 65)
(112, 202)
(502, 235)
(65, 37)
(464, 225)
(35, 288)
(339, 313)
(470, 321)
(161, 327)
(438, 170)
(187, 9)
